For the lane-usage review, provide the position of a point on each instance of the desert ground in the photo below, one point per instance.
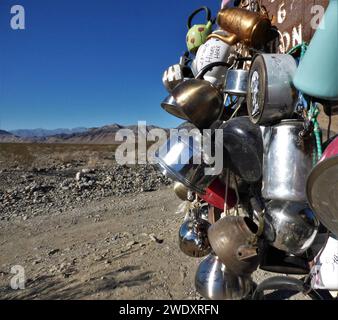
(83, 227)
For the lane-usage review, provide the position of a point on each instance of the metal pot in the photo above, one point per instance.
(287, 161)
(290, 226)
(193, 237)
(234, 241)
(251, 28)
(180, 158)
(243, 143)
(237, 82)
(322, 188)
(214, 281)
(271, 95)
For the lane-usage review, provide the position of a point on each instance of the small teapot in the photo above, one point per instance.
(198, 33)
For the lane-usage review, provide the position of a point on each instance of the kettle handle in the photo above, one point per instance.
(230, 39)
(210, 66)
(279, 283)
(192, 16)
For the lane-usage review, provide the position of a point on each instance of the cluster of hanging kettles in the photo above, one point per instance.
(274, 206)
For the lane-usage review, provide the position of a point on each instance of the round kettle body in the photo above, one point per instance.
(290, 226)
(193, 238)
(232, 236)
(214, 281)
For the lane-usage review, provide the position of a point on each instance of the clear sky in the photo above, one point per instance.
(90, 62)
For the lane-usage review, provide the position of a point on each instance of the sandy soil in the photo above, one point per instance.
(117, 248)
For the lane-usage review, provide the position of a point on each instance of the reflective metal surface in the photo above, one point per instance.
(243, 143)
(169, 104)
(181, 191)
(193, 238)
(322, 188)
(271, 95)
(237, 82)
(182, 161)
(287, 161)
(252, 28)
(214, 282)
(230, 238)
(200, 101)
(290, 226)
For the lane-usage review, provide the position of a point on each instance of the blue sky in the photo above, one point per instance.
(90, 62)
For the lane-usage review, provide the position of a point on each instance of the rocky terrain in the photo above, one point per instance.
(31, 193)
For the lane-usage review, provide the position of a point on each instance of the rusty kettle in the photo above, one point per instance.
(235, 241)
(254, 29)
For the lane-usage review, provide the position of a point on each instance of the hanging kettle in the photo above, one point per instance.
(290, 226)
(317, 74)
(234, 240)
(198, 33)
(252, 28)
(193, 236)
(198, 100)
(213, 281)
(214, 50)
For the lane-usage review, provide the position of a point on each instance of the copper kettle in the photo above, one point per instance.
(254, 29)
(235, 241)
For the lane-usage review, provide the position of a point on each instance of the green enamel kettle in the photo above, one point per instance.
(317, 74)
(198, 33)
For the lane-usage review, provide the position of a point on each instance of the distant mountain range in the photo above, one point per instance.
(102, 135)
(40, 133)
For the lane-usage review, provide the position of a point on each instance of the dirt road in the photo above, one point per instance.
(117, 248)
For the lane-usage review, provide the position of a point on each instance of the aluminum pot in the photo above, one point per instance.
(287, 161)
(234, 241)
(322, 188)
(290, 226)
(214, 281)
(271, 95)
(193, 238)
(181, 159)
(237, 82)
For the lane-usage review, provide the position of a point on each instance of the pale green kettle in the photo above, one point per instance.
(317, 74)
